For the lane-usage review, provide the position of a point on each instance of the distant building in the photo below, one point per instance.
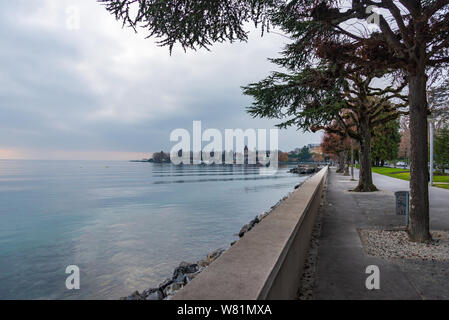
(316, 151)
(313, 146)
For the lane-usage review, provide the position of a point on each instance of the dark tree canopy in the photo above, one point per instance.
(313, 98)
(337, 147)
(333, 144)
(192, 23)
(304, 155)
(385, 144)
(161, 157)
(317, 27)
(442, 148)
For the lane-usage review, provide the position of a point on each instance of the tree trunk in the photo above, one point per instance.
(346, 173)
(341, 162)
(419, 172)
(352, 159)
(365, 174)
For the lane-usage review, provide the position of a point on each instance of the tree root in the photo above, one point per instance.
(362, 188)
(420, 238)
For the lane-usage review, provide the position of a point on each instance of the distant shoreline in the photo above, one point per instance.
(223, 164)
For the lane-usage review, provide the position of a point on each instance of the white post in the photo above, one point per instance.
(431, 152)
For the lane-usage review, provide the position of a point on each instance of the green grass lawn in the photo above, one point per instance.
(397, 173)
(404, 174)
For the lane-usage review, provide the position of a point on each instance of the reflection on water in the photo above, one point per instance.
(126, 225)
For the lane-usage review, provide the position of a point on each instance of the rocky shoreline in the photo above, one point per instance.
(182, 275)
(305, 169)
(187, 271)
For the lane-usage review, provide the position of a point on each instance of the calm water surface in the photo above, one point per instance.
(125, 225)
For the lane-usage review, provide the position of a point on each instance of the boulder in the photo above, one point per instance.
(149, 291)
(190, 276)
(254, 222)
(181, 278)
(155, 295)
(184, 268)
(135, 296)
(248, 227)
(165, 284)
(263, 216)
(244, 230)
(173, 288)
(203, 264)
(214, 255)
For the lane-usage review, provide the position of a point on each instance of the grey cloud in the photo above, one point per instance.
(104, 88)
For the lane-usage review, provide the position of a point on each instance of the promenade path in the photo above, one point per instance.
(342, 261)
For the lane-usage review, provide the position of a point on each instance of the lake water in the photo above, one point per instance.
(125, 225)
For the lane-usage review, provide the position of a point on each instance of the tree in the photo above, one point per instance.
(283, 157)
(317, 156)
(339, 147)
(405, 144)
(413, 39)
(314, 98)
(304, 155)
(442, 148)
(161, 157)
(386, 139)
(192, 23)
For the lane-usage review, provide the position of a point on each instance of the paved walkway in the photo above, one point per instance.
(342, 261)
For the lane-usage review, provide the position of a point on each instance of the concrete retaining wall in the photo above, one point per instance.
(267, 263)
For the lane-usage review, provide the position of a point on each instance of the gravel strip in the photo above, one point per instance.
(396, 245)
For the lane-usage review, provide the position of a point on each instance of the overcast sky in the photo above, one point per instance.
(103, 92)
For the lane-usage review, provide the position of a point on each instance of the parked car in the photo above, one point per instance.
(401, 164)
